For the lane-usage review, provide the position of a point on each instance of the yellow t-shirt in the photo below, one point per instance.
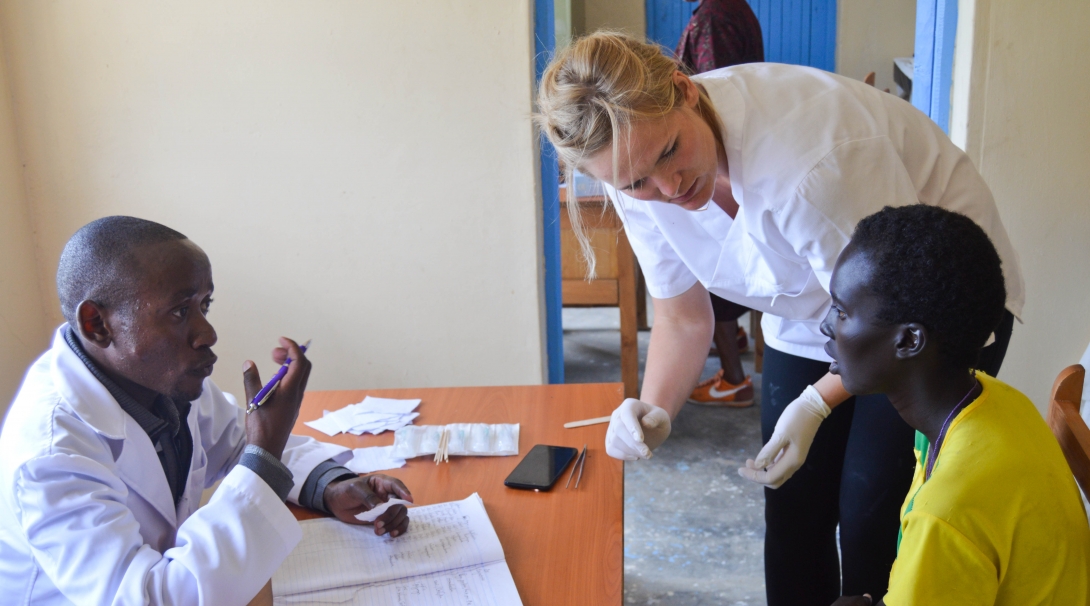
(1000, 521)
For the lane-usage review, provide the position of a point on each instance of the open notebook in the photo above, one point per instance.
(449, 556)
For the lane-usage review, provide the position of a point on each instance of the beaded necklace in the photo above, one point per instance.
(932, 456)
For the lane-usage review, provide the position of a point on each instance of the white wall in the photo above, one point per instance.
(624, 15)
(1025, 122)
(360, 173)
(870, 33)
(22, 308)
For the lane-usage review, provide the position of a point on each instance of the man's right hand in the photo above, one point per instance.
(270, 425)
(635, 429)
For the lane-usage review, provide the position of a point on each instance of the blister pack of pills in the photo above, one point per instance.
(466, 439)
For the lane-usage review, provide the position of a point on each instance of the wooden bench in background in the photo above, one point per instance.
(618, 283)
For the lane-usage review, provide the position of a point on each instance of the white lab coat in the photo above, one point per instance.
(87, 517)
(810, 155)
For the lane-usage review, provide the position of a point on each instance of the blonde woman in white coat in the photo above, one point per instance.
(747, 182)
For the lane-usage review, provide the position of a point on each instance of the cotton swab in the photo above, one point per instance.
(586, 422)
(443, 448)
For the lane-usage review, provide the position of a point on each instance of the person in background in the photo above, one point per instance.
(118, 429)
(722, 33)
(993, 515)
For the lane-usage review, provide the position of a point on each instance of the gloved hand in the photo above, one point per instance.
(791, 440)
(635, 429)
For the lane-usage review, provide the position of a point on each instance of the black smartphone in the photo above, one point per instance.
(540, 468)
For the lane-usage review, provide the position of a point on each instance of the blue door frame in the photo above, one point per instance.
(544, 44)
(933, 67)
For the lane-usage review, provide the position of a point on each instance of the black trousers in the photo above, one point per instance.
(856, 474)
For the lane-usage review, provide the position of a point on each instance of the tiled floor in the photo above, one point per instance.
(694, 529)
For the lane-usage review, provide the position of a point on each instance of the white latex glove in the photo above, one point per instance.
(635, 429)
(791, 440)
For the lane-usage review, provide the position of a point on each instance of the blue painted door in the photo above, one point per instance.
(802, 32)
(666, 19)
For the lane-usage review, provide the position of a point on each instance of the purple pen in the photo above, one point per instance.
(266, 391)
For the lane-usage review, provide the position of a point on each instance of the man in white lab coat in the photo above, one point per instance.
(117, 430)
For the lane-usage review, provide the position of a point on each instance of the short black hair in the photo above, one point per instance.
(938, 268)
(96, 261)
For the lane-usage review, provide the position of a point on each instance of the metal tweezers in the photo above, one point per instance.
(579, 462)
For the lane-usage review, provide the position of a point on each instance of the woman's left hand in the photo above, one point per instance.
(790, 443)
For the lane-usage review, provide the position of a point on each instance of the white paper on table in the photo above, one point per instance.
(373, 514)
(345, 418)
(377, 428)
(326, 425)
(374, 415)
(374, 458)
(389, 405)
(360, 419)
(450, 554)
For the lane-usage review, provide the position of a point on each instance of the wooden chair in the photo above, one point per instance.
(1068, 425)
(617, 282)
(870, 78)
(263, 597)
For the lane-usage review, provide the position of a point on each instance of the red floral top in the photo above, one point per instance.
(721, 33)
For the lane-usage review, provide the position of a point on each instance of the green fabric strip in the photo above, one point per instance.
(923, 446)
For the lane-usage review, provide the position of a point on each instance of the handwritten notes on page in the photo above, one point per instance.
(449, 556)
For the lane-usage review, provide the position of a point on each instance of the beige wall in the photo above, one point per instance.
(22, 309)
(625, 15)
(1025, 122)
(360, 173)
(870, 33)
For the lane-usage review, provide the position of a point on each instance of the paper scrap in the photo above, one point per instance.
(326, 425)
(373, 514)
(389, 405)
(374, 458)
(372, 415)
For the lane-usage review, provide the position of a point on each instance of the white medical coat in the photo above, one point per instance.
(810, 155)
(87, 517)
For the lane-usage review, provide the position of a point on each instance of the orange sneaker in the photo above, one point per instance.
(718, 392)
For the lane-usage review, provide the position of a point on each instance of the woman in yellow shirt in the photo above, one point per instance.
(993, 515)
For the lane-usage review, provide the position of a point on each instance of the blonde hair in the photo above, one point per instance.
(593, 91)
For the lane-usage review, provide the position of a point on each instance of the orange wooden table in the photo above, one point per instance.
(563, 546)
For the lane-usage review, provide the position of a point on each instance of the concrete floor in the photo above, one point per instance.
(694, 529)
